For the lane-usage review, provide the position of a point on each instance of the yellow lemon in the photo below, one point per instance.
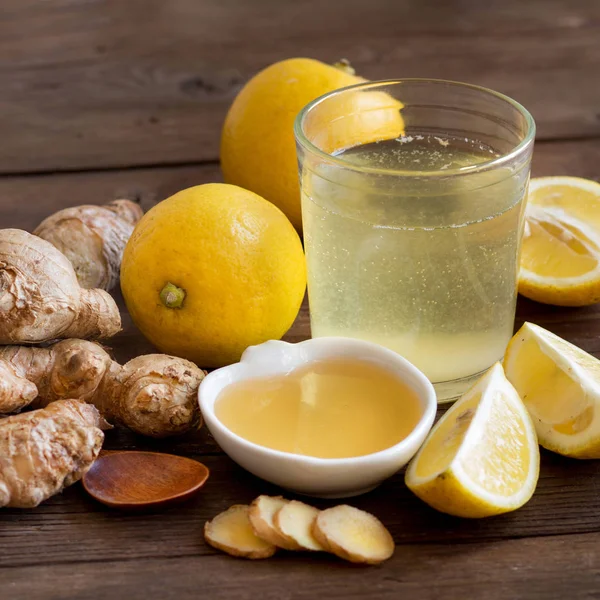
(258, 150)
(212, 270)
(482, 457)
(560, 256)
(560, 386)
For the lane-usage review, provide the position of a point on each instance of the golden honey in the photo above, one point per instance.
(335, 408)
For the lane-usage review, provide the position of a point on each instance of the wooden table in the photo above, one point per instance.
(109, 99)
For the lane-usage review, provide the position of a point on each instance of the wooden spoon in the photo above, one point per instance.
(132, 480)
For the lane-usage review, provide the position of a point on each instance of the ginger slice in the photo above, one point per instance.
(353, 535)
(231, 532)
(262, 512)
(294, 522)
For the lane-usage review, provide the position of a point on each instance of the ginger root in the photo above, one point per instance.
(231, 532)
(46, 450)
(353, 535)
(15, 391)
(295, 522)
(40, 298)
(154, 394)
(93, 239)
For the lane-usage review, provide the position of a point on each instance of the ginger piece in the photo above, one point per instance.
(262, 511)
(154, 394)
(40, 298)
(46, 450)
(93, 239)
(15, 392)
(232, 532)
(294, 522)
(353, 535)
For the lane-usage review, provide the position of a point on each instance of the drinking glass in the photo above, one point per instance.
(413, 209)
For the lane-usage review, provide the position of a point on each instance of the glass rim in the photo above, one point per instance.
(493, 163)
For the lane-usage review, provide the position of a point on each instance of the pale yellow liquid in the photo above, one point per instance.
(427, 268)
(327, 409)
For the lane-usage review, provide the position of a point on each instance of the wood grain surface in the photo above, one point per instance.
(27, 199)
(102, 99)
(513, 569)
(95, 84)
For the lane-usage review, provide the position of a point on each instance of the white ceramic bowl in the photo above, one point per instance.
(323, 477)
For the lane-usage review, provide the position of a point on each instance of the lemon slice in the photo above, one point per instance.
(560, 254)
(482, 457)
(560, 386)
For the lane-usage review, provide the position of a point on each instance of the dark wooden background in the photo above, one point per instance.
(110, 98)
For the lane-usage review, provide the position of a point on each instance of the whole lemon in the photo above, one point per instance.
(212, 270)
(258, 149)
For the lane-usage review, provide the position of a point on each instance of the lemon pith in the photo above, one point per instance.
(560, 386)
(560, 254)
(482, 457)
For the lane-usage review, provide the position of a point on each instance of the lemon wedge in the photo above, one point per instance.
(560, 386)
(560, 253)
(482, 457)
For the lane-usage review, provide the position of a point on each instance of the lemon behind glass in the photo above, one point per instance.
(258, 149)
(212, 270)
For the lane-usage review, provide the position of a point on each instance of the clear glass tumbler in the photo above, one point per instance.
(412, 223)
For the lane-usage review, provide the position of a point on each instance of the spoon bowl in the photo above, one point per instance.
(135, 480)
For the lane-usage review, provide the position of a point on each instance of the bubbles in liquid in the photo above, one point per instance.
(418, 152)
(424, 265)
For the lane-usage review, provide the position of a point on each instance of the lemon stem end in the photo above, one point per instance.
(172, 296)
(344, 65)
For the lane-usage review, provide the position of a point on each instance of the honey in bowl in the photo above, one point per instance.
(334, 408)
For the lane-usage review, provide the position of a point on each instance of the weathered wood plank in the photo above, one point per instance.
(26, 200)
(567, 501)
(555, 567)
(112, 84)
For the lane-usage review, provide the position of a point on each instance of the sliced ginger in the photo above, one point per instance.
(232, 532)
(353, 535)
(294, 522)
(262, 513)
(256, 531)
